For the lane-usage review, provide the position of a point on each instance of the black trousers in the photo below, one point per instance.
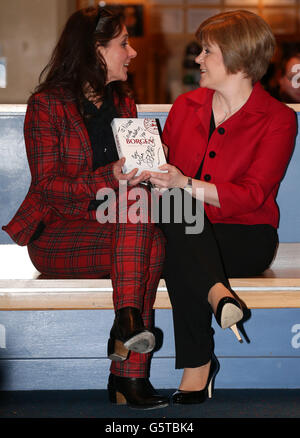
(195, 262)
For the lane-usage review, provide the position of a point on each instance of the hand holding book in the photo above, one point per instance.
(172, 177)
(131, 177)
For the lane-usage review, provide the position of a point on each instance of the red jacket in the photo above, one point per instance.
(60, 159)
(246, 156)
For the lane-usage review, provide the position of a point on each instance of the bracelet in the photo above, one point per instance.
(189, 184)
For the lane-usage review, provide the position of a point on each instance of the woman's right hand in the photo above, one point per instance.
(130, 177)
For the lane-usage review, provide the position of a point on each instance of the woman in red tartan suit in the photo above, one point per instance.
(72, 155)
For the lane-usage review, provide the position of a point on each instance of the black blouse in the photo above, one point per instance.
(97, 122)
(212, 127)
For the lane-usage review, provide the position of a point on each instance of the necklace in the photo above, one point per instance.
(230, 113)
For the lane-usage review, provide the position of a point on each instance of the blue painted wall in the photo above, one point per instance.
(67, 349)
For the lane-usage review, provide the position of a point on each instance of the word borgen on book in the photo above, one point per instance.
(138, 140)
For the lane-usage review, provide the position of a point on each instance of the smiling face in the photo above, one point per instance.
(117, 56)
(212, 68)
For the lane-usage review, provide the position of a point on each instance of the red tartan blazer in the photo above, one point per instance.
(60, 158)
(246, 156)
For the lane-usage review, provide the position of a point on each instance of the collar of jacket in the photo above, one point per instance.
(70, 106)
(257, 102)
(202, 101)
(79, 125)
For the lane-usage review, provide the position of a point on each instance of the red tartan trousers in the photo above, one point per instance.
(132, 254)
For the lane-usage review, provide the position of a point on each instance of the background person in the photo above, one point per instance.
(285, 85)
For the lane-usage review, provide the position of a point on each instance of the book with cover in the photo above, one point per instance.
(138, 140)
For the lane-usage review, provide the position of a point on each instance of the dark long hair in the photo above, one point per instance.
(74, 61)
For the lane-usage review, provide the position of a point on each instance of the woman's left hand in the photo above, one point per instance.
(131, 177)
(172, 178)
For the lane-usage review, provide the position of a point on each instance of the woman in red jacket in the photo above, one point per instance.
(72, 155)
(231, 139)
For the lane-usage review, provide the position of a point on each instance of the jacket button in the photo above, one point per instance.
(212, 154)
(207, 177)
(221, 131)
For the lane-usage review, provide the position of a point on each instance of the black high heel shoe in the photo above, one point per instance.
(128, 333)
(228, 313)
(138, 393)
(195, 397)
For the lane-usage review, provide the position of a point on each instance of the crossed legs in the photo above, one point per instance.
(131, 254)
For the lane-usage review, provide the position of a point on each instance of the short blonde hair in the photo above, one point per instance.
(245, 40)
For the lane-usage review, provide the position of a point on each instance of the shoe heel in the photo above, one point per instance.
(210, 388)
(143, 342)
(228, 313)
(215, 366)
(116, 397)
(116, 351)
(120, 399)
(236, 332)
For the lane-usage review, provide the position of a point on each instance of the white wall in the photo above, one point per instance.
(29, 30)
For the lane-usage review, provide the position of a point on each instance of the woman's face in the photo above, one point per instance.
(212, 69)
(117, 55)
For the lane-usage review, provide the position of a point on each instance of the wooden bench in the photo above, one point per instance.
(21, 289)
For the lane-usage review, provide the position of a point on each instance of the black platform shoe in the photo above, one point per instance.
(228, 313)
(138, 393)
(195, 397)
(129, 333)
